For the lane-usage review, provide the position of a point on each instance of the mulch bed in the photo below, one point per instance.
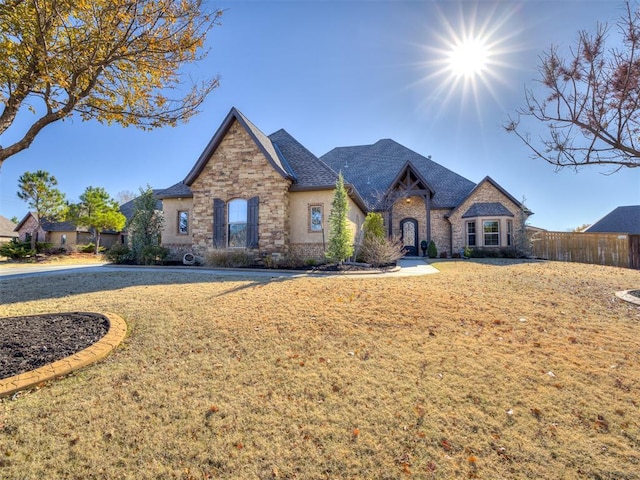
(30, 342)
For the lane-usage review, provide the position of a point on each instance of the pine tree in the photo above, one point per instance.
(340, 236)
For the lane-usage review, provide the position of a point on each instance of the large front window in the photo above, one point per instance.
(491, 229)
(237, 215)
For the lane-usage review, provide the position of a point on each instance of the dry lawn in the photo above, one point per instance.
(515, 371)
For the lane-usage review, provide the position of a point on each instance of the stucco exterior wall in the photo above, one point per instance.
(170, 209)
(238, 169)
(487, 193)
(305, 243)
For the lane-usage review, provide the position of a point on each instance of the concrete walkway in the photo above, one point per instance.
(410, 266)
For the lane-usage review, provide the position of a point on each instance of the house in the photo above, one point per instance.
(270, 195)
(60, 234)
(620, 220)
(6, 230)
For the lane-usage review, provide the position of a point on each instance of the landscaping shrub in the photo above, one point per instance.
(43, 247)
(378, 251)
(119, 254)
(16, 249)
(228, 259)
(90, 248)
(154, 255)
(432, 251)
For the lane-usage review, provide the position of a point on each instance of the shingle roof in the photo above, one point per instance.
(620, 220)
(128, 208)
(7, 227)
(494, 209)
(262, 142)
(61, 227)
(372, 169)
(308, 170)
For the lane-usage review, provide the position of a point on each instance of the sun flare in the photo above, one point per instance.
(469, 58)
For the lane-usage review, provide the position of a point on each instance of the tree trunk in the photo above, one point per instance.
(97, 235)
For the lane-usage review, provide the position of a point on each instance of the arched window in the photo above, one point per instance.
(237, 223)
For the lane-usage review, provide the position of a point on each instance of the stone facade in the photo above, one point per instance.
(487, 192)
(238, 169)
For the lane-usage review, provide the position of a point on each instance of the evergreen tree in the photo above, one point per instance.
(39, 190)
(340, 236)
(145, 227)
(97, 211)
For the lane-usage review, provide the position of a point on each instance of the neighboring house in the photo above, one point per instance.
(61, 234)
(620, 220)
(271, 195)
(6, 230)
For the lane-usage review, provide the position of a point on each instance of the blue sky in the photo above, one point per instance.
(338, 73)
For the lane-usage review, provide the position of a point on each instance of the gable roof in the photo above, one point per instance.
(495, 184)
(621, 220)
(7, 228)
(373, 168)
(261, 140)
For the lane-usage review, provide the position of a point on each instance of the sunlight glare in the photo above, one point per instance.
(469, 58)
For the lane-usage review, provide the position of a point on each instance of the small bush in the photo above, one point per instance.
(443, 255)
(119, 254)
(15, 249)
(378, 251)
(90, 248)
(44, 247)
(432, 251)
(153, 255)
(228, 258)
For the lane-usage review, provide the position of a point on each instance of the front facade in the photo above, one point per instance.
(271, 196)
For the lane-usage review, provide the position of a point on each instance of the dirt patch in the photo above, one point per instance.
(30, 342)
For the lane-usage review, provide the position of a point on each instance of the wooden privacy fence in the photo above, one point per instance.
(613, 249)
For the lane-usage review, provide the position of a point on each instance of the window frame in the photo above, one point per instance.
(509, 233)
(179, 223)
(470, 234)
(490, 234)
(235, 223)
(310, 223)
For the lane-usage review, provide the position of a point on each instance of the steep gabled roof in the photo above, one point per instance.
(620, 220)
(7, 227)
(495, 184)
(373, 168)
(261, 140)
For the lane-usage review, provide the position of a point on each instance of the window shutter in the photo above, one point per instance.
(252, 223)
(218, 223)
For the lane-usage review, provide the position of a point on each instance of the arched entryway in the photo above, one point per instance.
(409, 235)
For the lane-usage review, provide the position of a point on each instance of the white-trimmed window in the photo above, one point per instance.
(471, 234)
(183, 222)
(315, 218)
(509, 233)
(237, 224)
(63, 239)
(491, 230)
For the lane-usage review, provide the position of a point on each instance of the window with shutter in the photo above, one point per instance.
(218, 223)
(252, 223)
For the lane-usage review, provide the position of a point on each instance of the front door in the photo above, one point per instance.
(409, 231)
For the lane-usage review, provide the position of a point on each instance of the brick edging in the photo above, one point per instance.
(93, 353)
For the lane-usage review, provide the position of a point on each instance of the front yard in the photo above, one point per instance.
(517, 370)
